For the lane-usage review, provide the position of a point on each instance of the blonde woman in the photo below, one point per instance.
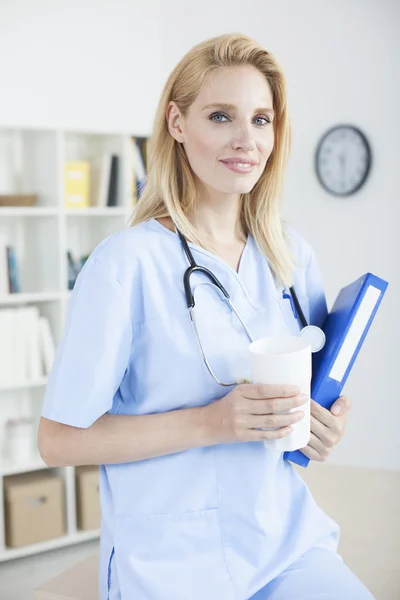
(194, 505)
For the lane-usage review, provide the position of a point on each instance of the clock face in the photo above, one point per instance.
(343, 160)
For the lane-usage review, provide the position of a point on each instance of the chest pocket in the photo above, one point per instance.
(294, 324)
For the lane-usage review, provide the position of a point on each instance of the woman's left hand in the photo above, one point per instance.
(327, 428)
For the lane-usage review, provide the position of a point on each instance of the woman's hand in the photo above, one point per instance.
(327, 428)
(240, 415)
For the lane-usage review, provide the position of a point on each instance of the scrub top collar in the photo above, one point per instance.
(203, 250)
(249, 249)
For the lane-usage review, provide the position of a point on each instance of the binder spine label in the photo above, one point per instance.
(355, 333)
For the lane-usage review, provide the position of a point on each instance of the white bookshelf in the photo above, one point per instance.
(41, 235)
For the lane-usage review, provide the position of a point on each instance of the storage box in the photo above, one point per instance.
(87, 497)
(34, 508)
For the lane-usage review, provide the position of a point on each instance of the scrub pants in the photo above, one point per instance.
(319, 574)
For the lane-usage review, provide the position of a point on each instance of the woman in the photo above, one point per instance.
(194, 506)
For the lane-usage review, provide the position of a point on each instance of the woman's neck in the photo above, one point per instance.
(218, 224)
(218, 220)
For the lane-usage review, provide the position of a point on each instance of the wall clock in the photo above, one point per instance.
(343, 160)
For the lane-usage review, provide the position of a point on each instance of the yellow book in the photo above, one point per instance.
(76, 184)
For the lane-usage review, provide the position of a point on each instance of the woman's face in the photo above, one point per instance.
(227, 132)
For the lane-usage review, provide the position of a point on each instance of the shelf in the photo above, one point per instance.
(7, 468)
(25, 211)
(33, 160)
(12, 299)
(25, 385)
(96, 211)
(67, 540)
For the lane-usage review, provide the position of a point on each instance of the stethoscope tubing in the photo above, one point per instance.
(193, 268)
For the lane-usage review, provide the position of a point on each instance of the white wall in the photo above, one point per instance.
(93, 64)
(341, 62)
(83, 64)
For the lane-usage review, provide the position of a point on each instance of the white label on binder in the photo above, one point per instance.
(355, 333)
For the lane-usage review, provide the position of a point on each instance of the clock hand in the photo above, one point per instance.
(342, 161)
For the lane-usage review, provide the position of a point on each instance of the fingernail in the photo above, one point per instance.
(336, 410)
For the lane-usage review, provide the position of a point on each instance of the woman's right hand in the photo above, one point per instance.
(240, 415)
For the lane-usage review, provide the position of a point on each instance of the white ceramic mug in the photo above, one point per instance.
(285, 360)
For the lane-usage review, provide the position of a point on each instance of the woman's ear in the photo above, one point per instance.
(174, 122)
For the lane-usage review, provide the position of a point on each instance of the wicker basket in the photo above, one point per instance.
(18, 200)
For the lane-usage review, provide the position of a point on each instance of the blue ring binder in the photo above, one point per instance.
(346, 328)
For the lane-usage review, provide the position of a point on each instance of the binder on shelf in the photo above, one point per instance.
(345, 328)
(76, 184)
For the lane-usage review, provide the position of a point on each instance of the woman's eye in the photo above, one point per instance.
(217, 117)
(223, 118)
(264, 120)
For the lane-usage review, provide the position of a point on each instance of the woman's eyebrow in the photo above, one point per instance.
(232, 107)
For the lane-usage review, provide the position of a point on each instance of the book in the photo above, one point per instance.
(7, 347)
(131, 171)
(13, 274)
(112, 198)
(142, 143)
(26, 345)
(100, 177)
(46, 343)
(4, 280)
(33, 356)
(20, 346)
(139, 166)
(73, 270)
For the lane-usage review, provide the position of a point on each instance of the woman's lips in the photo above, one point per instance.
(239, 167)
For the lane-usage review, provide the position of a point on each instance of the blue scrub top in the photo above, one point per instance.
(216, 522)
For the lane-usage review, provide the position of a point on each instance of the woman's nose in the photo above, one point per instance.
(244, 140)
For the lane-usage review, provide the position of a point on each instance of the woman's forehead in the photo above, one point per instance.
(237, 86)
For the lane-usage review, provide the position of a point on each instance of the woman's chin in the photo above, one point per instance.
(237, 187)
(242, 188)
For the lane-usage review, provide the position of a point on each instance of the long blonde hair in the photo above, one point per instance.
(170, 186)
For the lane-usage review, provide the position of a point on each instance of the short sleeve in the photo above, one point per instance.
(315, 292)
(94, 351)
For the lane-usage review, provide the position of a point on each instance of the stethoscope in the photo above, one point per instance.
(314, 335)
